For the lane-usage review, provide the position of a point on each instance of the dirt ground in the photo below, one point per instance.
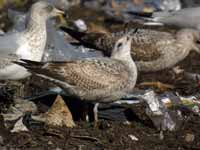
(110, 135)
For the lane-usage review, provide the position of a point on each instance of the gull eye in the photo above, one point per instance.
(119, 45)
(49, 8)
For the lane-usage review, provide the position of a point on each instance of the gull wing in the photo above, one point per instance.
(147, 44)
(89, 74)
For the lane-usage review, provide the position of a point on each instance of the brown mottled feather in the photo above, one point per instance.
(88, 74)
(144, 45)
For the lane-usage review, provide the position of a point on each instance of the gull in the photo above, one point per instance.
(57, 49)
(152, 50)
(100, 80)
(27, 44)
(184, 18)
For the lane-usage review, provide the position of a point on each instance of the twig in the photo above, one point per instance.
(85, 137)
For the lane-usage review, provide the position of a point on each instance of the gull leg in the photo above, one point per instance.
(95, 110)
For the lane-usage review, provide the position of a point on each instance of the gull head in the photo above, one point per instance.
(43, 10)
(190, 37)
(122, 48)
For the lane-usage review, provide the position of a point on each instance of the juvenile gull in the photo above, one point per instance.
(93, 79)
(27, 44)
(152, 50)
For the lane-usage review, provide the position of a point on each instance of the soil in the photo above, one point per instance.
(110, 135)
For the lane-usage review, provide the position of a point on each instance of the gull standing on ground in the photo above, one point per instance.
(152, 50)
(27, 44)
(101, 80)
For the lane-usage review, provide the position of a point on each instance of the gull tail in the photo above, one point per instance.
(79, 36)
(32, 66)
(38, 68)
(151, 19)
(42, 69)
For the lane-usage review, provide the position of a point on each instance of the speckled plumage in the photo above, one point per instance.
(152, 50)
(27, 44)
(92, 79)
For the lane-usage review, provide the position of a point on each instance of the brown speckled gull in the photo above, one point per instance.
(27, 44)
(152, 50)
(93, 79)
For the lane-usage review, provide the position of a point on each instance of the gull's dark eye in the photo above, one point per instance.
(119, 45)
(49, 8)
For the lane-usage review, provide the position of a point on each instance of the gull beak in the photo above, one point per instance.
(60, 14)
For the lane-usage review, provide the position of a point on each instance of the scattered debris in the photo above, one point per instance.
(93, 139)
(58, 115)
(195, 109)
(54, 132)
(19, 126)
(80, 25)
(134, 138)
(158, 112)
(189, 137)
(159, 85)
(20, 108)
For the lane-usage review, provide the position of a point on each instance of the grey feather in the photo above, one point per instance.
(188, 18)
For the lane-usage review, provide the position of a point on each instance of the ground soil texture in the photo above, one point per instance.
(110, 135)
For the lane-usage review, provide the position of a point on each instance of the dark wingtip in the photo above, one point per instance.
(31, 62)
(73, 33)
(19, 63)
(141, 14)
(136, 29)
(28, 64)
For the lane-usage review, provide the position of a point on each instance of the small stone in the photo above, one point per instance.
(189, 137)
(133, 137)
(50, 143)
(127, 122)
(80, 24)
(1, 140)
(195, 109)
(19, 126)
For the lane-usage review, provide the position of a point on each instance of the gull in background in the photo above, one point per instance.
(57, 48)
(184, 18)
(152, 50)
(27, 44)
